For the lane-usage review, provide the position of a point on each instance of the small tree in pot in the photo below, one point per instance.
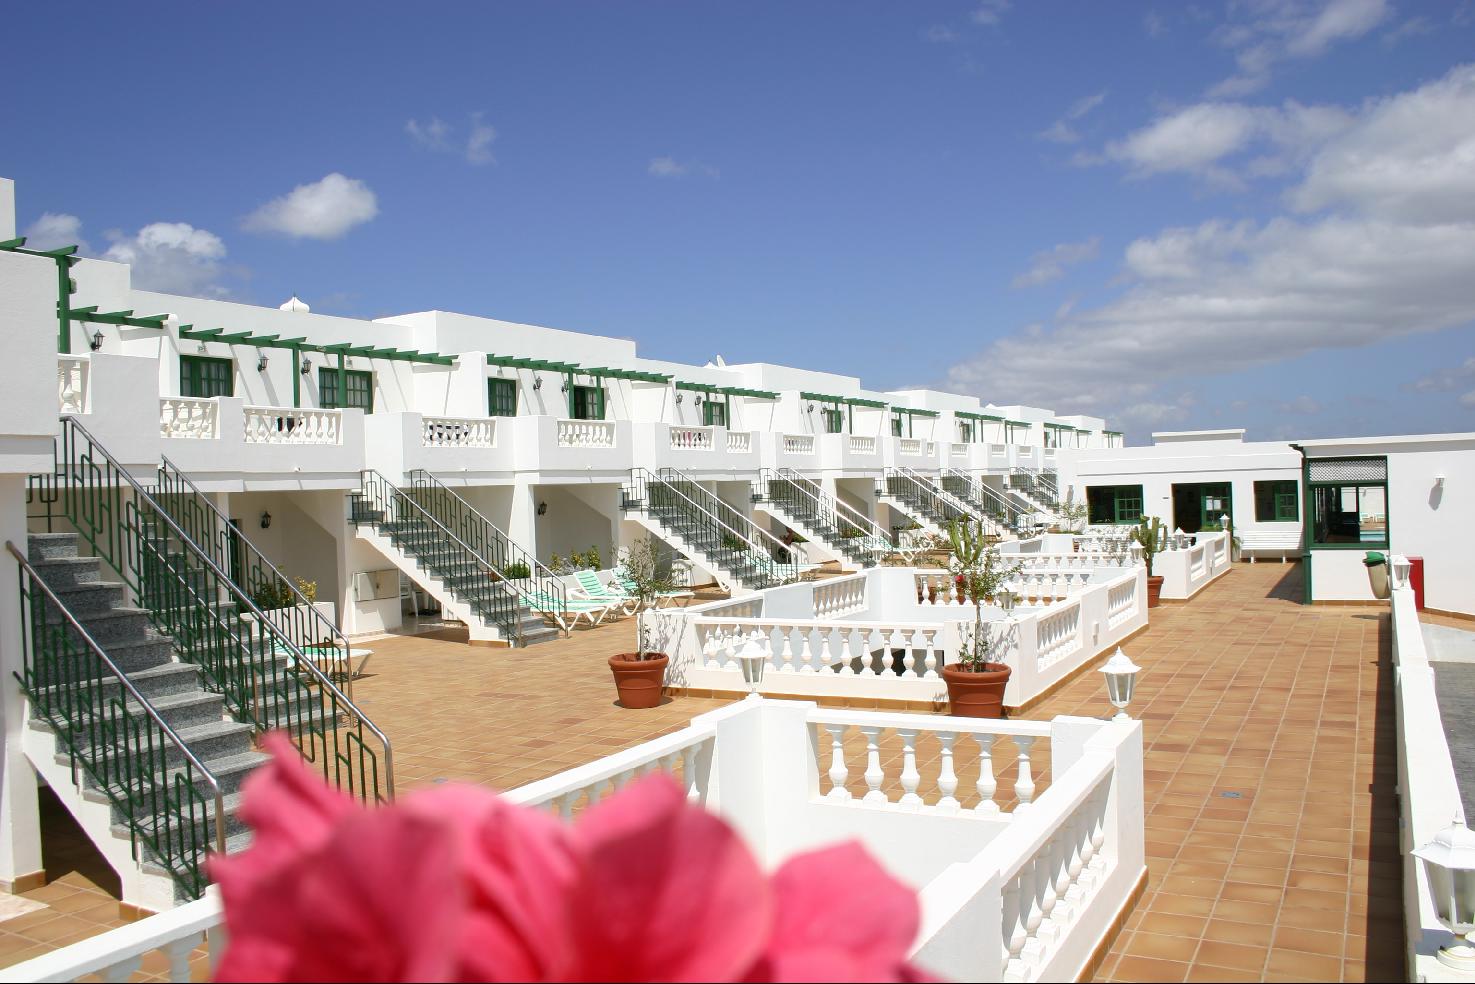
(639, 675)
(1152, 537)
(975, 683)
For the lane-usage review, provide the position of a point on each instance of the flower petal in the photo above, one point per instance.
(667, 891)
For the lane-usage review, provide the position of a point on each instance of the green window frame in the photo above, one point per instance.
(834, 419)
(203, 377)
(358, 389)
(1347, 503)
(965, 432)
(896, 426)
(714, 413)
(501, 398)
(1278, 501)
(1114, 504)
(587, 402)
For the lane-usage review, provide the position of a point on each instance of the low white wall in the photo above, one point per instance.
(1187, 572)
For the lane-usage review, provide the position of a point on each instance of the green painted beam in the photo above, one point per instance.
(11, 244)
(756, 394)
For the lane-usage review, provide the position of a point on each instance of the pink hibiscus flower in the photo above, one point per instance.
(457, 884)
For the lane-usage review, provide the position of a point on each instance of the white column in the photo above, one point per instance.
(522, 523)
(20, 820)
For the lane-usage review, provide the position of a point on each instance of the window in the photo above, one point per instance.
(588, 402)
(1111, 504)
(203, 378)
(1277, 502)
(896, 426)
(1349, 501)
(834, 420)
(965, 432)
(714, 414)
(501, 398)
(359, 393)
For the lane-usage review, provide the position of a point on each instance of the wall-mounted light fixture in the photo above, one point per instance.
(537, 381)
(679, 398)
(261, 362)
(542, 509)
(306, 367)
(265, 520)
(96, 340)
(699, 399)
(809, 409)
(1439, 482)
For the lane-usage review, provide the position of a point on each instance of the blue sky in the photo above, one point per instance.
(1259, 214)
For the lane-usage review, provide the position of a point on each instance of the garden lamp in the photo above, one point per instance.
(1449, 864)
(1180, 539)
(1402, 567)
(754, 659)
(1121, 681)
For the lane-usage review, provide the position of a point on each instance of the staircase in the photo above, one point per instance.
(804, 506)
(1000, 514)
(742, 555)
(928, 506)
(147, 692)
(1033, 492)
(478, 575)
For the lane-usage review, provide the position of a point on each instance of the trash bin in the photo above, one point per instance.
(1377, 573)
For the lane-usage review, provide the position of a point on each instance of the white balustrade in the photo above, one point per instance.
(586, 434)
(1081, 560)
(1121, 601)
(739, 442)
(958, 451)
(685, 755)
(901, 650)
(1197, 561)
(1059, 634)
(691, 438)
(189, 417)
(862, 445)
(909, 446)
(283, 425)
(798, 443)
(458, 432)
(938, 588)
(72, 376)
(930, 448)
(840, 596)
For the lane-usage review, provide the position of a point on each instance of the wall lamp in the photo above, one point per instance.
(96, 340)
(809, 409)
(537, 381)
(306, 367)
(265, 520)
(542, 509)
(679, 398)
(261, 363)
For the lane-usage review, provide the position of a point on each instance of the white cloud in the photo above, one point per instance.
(939, 34)
(1050, 264)
(670, 167)
(1277, 30)
(990, 12)
(1377, 252)
(1448, 379)
(172, 257)
(324, 209)
(54, 230)
(440, 137)
(1411, 28)
(1061, 131)
(1154, 25)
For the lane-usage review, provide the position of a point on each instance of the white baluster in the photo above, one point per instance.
(873, 773)
(910, 777)
(1024, 785)
(932, 658)
(860, 648)
(947, 779)
(839, 771)
(987, 784)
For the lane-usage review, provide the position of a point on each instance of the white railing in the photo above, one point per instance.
(458, 432)
(686, 755)
(909, 446)
(282, 425)
(1081, 560)
(1188, 570)
(904, 650)
(958, 451)
(691, 438)
(1197, 561)
(840, 596)
(862, 445)
(188, 417)
(739, 442)
(586, 434)
(1058, 634)
(1121, 601)
(798, 443)
(1032, 587)
(73, 373)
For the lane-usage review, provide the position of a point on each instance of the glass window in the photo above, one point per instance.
(501, 398)
(897, 429)
(834, 420)
(359, 393)
(965, 432)
(714, 414)
(588, 402)
(1277, 502)
(203, 378)
(1354, 514)
(1111, 504)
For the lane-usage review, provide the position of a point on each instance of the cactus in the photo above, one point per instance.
(1151, 535)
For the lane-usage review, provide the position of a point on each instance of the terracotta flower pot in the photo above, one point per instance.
(1154, 590)
(976, 693)
(639, 680)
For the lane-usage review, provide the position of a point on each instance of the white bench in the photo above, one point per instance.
(1283, 542)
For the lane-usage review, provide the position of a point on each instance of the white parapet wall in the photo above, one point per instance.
(1429, 793)
(884, 633)
(1014, 883)
(1187, 571)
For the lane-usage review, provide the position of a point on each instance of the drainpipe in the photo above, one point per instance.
(1305, 524)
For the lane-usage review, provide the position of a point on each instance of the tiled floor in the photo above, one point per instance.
(1293, 876)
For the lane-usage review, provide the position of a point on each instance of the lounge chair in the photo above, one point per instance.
(567, 611)
(628, 586)
(591, 587)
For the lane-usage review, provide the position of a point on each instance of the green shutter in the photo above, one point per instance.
(204, 378)
(501, 398)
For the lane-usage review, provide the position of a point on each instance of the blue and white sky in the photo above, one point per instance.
(1176, 216)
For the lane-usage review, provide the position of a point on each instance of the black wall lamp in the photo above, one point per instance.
(542, 509)
(265, 520)
(96, 340)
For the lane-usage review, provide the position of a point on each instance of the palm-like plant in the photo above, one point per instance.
(640, 564)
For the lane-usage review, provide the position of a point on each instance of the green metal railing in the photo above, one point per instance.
(731, 541)
(271, 590)
(465, 569)
(243, 653)
(1036, 485)
(981, 498)
(116, 737)
(842, 527)
(923, 497)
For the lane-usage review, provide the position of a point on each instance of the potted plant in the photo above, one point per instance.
(639, 675)
(975, 683)
(1151, 535)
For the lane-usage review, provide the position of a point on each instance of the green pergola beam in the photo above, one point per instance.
(914, 412)
(755, 394)
(970, 415)
(11, 244)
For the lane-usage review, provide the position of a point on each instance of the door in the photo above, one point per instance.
(1214, 502)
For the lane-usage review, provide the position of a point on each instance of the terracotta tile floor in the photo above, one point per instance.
(1243, 691)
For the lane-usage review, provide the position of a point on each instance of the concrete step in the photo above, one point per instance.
(50, 546)
(86, 597)
(63, 572)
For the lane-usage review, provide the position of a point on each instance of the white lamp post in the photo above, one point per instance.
(1180, 539)
(1121, 681)
(1401, 567)
(1449, 863)
(754, 659)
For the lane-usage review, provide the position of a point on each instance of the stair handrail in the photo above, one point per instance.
(935, 491)
(249, 705)
(549, 583)
(986, 494)
(370, 476)
(844, 510)
(681, 476)
(31, 576)
(170, 472)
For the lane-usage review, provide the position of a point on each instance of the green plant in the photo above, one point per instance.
(1152, 536)
(516, 570)
(1072, 513)
(557, 564)
(593, 560)
(640, 568)
(731, 541)
(980, 571)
